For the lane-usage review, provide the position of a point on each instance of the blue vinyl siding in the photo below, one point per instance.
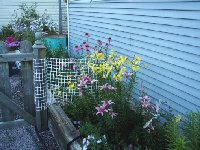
(165, 33)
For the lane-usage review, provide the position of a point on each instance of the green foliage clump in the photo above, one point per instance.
(57, 53)
(185, 136)
(192, 130)
(25, 24)
(6, 31)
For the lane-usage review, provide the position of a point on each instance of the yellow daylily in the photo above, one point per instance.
(122, 70)
(98, 55)
(107, 72)
(117, 77)
(178, 118)
(122, 59)
(134, 66)
(71, 85)
(59, 93)
(137, 59)
(111, 56)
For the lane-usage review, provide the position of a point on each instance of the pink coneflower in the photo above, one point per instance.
(99, 42)
(87, 46)
(95, 47)
(76, 48)
(87, 35)
(107, 44)
(84, 43)
(101, 110)
(109, 39)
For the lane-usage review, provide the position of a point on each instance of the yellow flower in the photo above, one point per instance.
(178, 118)
(59, 93)
(111, 56)
(123, 69)
(98, 55)
(135, 67)
(107, 72)
(122, 59)
(137, 59)
(71, 85)
(117, 77)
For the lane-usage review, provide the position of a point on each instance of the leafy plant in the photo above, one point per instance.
(57, 53)
(109, 110)
(6, 32)
(192, 130)
(176, 140)
(28, 14)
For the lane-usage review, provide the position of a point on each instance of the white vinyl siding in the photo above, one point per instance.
(165, 33)
(7, 8)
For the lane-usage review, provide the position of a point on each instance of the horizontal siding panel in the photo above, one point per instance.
(145, 19)
(160, 6)
(127, 1)
(148, 45)
(162, 35)
(139, 12)
(144, 37)
(147, 26)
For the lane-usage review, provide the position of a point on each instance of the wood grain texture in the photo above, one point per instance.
(62, 128)
(5, 87)
(27, 78)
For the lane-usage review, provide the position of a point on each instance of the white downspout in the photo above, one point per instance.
(68, 27)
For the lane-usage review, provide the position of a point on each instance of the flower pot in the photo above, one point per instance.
(56, 41)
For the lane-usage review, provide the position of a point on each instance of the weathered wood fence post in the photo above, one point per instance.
(5, 87)
(27, 79)
(40, 84)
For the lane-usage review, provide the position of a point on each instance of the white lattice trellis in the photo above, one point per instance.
(62, 71)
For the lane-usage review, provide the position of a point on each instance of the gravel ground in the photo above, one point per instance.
(19, 138)
(24, 137)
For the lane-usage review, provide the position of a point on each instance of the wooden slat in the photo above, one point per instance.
(62, 128)
(27, 78)
(5, 86)
(6, 101)
(16, 57)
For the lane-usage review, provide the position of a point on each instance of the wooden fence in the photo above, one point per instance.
(34, 81)
(8, 108)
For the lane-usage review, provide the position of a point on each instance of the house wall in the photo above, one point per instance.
(165, 33)
(7, 8)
